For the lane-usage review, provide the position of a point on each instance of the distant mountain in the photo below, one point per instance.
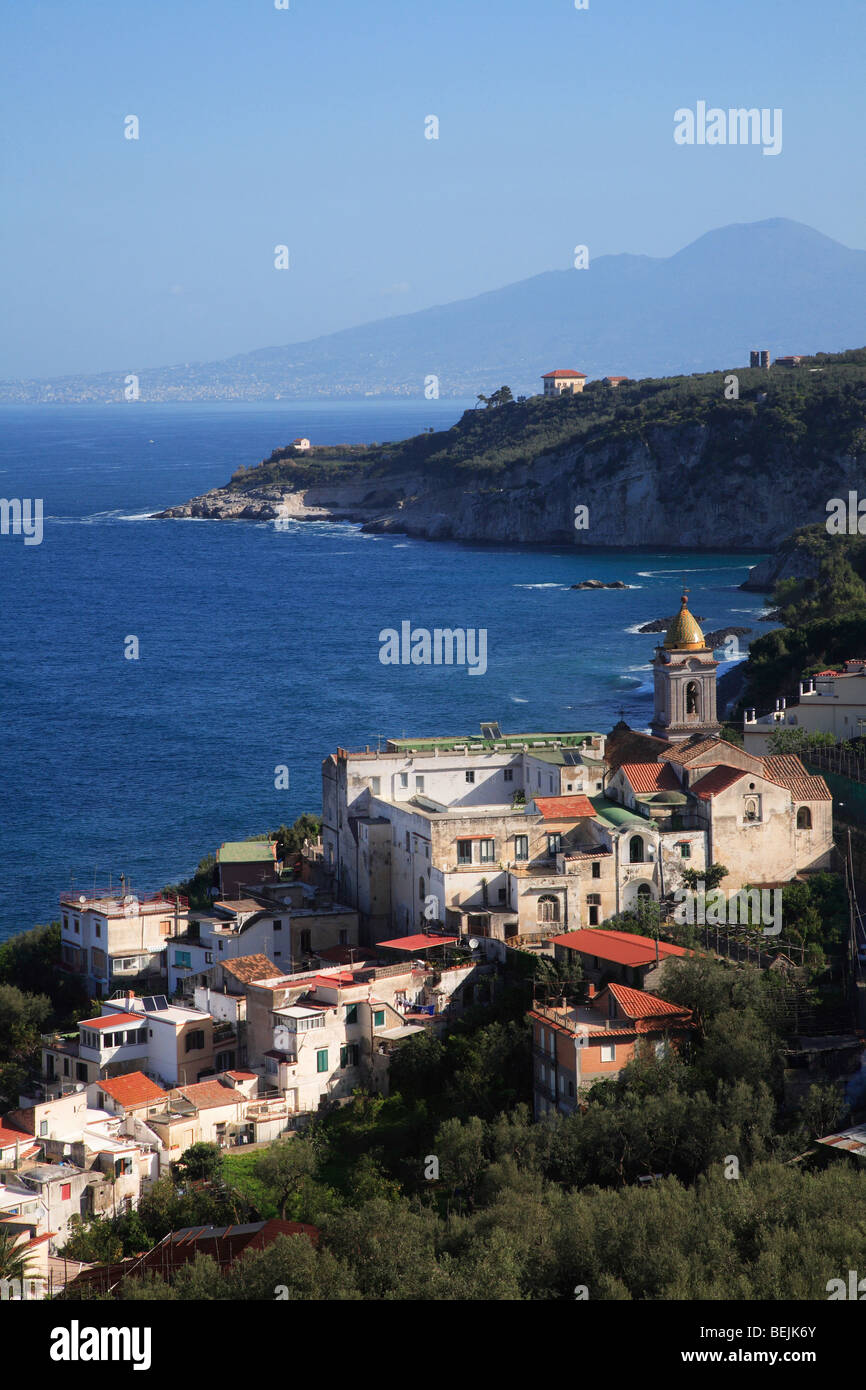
(777, 284)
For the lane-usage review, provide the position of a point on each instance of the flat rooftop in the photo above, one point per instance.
(474, 743)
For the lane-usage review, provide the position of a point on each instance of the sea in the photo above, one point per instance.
(258, 646)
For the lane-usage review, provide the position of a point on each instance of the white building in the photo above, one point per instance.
(832, 702)
(117, 941)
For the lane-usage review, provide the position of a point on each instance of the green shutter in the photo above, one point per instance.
(379, 1018)
(322, 1059)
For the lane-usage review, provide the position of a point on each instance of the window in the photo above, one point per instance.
(751, 811)
(464, 851)
(644, 891)
(43, 1129)
(66, 1191)
(608, 1052)
(351, 1015)
(344, 937)
(278, 925)
(404, 779)
(470, 774)
(804, 818)
(502, 895)
(419, 784)
(554, 844)
(422, 889)
(306, 942)
(379, 1018)
(548, 908)
(635, 850)
(596, 869)
(375, 785)
(408, 842)
(521, 847)
(183, 959)
(593, 916)
(66, 924)
(693, 700)
(220, 944)
(195, 1040)
(322, 1059)
(77, 928)
(685, 850)
(65, 1066)
(208, 957)
(80, 1071)
(349, 1055)
(508, 774)
(97, 926)
(271, 1065)
(488, 851)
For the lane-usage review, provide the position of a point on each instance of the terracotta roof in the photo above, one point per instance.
(564, 807)
(688, 750)
(13, 1136)
(637, 1004)
(827, 673)
(627, 745)
(565, 371)
(133, 1089)
(249, 968)
(243, 1075)
(651, 777)
(113, 1020)
(204, 1095)
(718, 779)
(597, 852)
(787, 771)
(620, 946)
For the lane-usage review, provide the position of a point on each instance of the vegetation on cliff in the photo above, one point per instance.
(803, 413)
(823, 617)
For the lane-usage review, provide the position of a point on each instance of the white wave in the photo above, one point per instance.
(646, 667)
(698, 569)
(138, 516)
(540, 586)
(517, 700)
(404, 545)
(636, 628)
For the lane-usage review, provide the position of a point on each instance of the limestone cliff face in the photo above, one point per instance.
(689, 486)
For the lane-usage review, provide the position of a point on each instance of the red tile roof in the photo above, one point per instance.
(566, 371)
(249, 968)
(13, 1136)
(133, 1089)
(622, 947)
(637, 1004)
(204, 1095)
(564, 807)
(787, 771)
(718, 779)
(687, 751)
(114, 1020)
(243, 1075)
(651, 777)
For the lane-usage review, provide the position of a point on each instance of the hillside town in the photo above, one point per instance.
(442, 861)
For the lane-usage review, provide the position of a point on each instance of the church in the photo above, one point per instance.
(766, 818)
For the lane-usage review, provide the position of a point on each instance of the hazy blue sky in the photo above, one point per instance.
(306, 127)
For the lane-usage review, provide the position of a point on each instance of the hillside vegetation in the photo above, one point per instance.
(817, 408)
(823, 617)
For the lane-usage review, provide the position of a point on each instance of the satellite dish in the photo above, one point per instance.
(474, 943)
(81, 898)
(130, 905)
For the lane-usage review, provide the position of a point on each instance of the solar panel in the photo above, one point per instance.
(491, 731)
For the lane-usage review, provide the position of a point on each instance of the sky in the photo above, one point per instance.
(305, 127)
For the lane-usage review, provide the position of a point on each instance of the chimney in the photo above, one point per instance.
(590, 990)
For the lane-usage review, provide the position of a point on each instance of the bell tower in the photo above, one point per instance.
(684, 675)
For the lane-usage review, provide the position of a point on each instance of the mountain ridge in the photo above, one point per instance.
(775, 284)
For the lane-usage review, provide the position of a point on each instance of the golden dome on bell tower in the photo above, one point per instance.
(684, 633)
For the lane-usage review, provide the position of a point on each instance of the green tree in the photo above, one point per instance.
(283, 1166)
(200, 1162)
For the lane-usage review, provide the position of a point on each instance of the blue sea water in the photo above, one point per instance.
(260, 647)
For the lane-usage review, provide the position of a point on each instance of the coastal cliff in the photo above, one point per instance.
(668, 463)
